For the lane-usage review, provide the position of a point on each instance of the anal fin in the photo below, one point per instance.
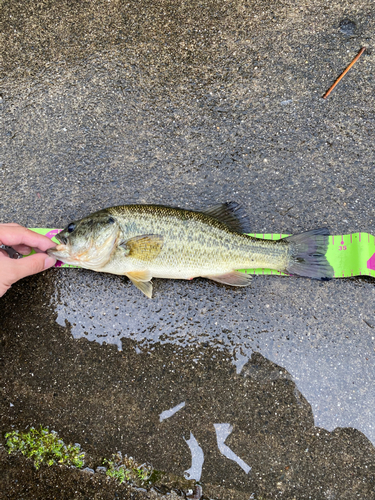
(233, 278)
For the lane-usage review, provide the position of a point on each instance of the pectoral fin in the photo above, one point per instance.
(234, 278)
(141, 279)
(144, 247)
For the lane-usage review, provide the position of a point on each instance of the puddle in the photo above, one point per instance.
(293, 322)
(222, 432)
(169, 413)
(197, 459)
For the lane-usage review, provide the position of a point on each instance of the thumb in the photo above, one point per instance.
(18, 269)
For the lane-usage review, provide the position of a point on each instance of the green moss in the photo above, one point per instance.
(127, 469)
(44, 447)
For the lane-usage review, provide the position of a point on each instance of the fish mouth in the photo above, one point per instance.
(63, 252)
(59, 252)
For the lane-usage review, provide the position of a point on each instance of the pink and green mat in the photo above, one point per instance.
(348, 254)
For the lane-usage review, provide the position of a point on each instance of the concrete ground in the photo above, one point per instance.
(190, 104)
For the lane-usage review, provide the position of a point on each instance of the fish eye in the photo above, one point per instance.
(71, 227)
(111, 220)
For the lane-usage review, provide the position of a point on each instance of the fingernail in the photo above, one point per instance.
(49, 262)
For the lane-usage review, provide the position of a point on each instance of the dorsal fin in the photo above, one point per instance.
(231, 214)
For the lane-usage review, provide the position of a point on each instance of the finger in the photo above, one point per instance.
(17, 235)
(22, 249)
(18, 269)
(3, 289)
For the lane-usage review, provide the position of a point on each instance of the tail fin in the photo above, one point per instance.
(308, 254)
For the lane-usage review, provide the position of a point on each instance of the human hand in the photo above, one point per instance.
(22, 240)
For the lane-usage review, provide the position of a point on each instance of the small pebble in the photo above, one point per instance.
(196, 494)
(88, 470)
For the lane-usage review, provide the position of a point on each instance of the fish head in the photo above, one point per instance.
(88, 242)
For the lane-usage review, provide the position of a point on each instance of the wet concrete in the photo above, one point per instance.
(109, 400)
(107, 103)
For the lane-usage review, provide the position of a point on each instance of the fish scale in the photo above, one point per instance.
(195, 242)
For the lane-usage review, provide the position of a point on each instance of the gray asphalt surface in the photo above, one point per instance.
(191, 104)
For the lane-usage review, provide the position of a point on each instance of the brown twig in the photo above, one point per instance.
(344, 72)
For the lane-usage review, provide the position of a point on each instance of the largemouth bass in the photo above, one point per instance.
(146, 241)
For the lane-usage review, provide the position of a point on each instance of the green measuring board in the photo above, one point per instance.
(348, 254)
